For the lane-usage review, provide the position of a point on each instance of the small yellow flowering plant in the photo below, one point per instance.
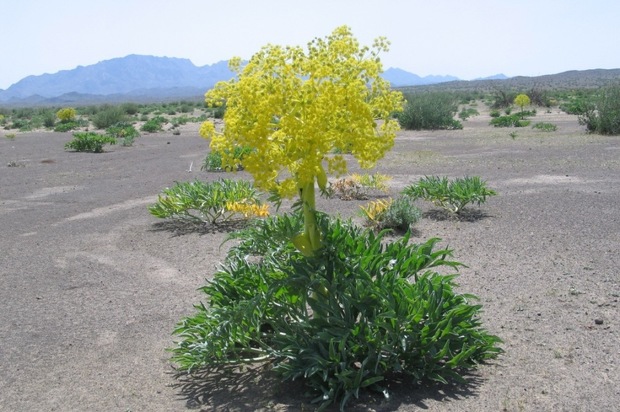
(297, 107)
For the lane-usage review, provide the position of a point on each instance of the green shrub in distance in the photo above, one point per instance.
(108, 116)
(451, 195)
(430, 111)
(66, 127)
(545, 127)
(204, 202)
(466, 113)
(154, 125)
(124, 131)
(602, 115)
(89, 142)
(344, 321)
(513, 120)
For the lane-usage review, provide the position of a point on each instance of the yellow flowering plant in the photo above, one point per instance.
(298, 109)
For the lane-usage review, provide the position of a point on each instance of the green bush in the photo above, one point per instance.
(466, 113)
(545, 127)
(503, 99)
(108, 116)
(360, 312)
(49, 119)
(124, 131)
(430, 111)
(451, 195)
(89, 142)
(603, 115)
(130, 108)
(66, 126)
(154, 125)
(514, 120)
(207, 202)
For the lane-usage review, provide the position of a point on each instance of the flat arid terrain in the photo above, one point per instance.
(93, 285)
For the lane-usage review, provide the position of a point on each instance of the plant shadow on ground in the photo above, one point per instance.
(466, 215)
(180, 228)
(252, 388)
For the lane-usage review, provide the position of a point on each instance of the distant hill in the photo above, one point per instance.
(148, 78)
(573, 79)
(138, 78)
(398, 78)
(133, 75)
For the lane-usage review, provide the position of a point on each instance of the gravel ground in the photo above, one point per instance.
(92, 285)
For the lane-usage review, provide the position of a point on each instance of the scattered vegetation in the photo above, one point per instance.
(154, 125)
(545, 127)
(89, 142)
(451, 195)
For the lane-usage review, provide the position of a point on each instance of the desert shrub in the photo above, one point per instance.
(108, 116)
(466, 113)
(209, 202)
(124, 131)
(89, 142)
(399, 214)
(430, 111)
(346, 320)
(49, 119)
(602, 116)
(494, 113)
(502, 99)
(66, 127)
(513, 120)
(539, 97)
(451, 195)
(213, 160)
(154, 125)
(545, 127)
(130, 108)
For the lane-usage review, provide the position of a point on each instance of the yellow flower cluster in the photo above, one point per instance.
(66, 114)
(374, 210)
(248, 209)
(296, 107)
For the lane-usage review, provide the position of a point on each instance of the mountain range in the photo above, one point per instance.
(139, 77)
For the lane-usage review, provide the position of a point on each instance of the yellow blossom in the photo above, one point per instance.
(295, 107)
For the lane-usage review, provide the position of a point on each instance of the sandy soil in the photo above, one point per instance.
(92, 285)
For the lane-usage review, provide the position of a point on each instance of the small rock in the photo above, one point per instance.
(598, 321)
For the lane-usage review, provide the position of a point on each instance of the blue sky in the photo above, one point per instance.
(467, 39)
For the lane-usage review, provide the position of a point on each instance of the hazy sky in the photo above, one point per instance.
(467, 39)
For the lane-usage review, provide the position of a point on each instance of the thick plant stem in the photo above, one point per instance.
(309, 241)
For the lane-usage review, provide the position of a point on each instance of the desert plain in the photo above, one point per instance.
(92, 285)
